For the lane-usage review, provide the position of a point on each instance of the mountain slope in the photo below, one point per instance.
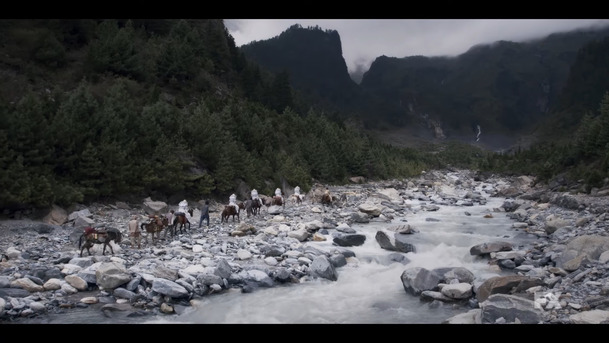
(504, 88)
(317, 69)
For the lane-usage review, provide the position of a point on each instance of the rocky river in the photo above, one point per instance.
(551, 266)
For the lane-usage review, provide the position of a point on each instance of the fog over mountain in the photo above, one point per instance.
(363, 40)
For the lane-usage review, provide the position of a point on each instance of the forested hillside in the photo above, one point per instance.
(587, 82)
(104, 110)
(96, 110)
(506, 88)
(313, 59)
(541, 102)
(573, 146)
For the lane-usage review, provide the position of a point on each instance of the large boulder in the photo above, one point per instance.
(580, 249)
(56, 216)
(110, 275)
(155, 207)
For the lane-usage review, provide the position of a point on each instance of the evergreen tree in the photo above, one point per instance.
(11, 169)
(293, 172)
(116, 170)
(224, 175)
(168, 166)
(203, 185)
(205, 132)
(603, 122)
(281, 92)
(71, 127)
(89, 171)
(28, 134)
(217, 47)
(49, 51)
(116, 143)
(116, 50)
(178, 61)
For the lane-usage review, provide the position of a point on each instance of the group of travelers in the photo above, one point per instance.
(183, 210)
(232, 200)
(134, 228)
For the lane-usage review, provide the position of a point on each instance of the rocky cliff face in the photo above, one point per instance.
(507, 88)
(313, 57)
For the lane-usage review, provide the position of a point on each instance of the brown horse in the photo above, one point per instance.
(98, 236)
(230, 210)
(327, 199)
(180, 222)
(277, 200)
(154, 227)
(297, 198)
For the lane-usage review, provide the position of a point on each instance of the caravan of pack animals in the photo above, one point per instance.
(159, 226)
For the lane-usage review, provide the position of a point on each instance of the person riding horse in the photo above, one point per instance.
(278, 194)
(256, 202)
(183, 209)
(232, 201)
(297, 195)
(278, 198)
(255, 195)
(227, 212)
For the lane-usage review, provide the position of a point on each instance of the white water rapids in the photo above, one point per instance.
(369, 292)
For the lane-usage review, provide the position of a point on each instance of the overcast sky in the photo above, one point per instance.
(363, 40)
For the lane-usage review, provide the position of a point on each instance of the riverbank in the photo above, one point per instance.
(43, 276)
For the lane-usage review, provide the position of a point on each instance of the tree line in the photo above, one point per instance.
(78, 148)
(127, 112)
(97, 110)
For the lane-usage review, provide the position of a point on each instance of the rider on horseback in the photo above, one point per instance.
(278, 194)
(256, 202)
(183, 208)
(232, 201)
(255, 195)
(297, 193)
